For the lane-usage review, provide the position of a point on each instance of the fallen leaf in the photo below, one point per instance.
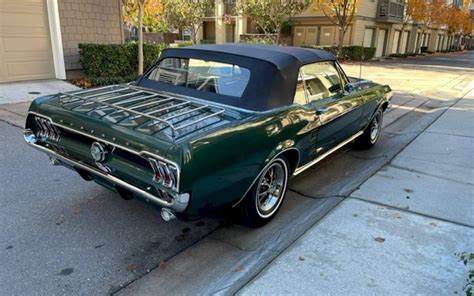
(379, 239)
(301, 258)
(133, 267)
(182, 237)
(238, 268)
(162, 265)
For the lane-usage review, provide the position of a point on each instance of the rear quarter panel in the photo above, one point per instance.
(219, 168)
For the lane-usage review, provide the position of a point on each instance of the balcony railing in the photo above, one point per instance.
(211, 12)
(390, 11)
(229, 7)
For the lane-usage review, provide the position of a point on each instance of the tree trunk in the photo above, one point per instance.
(278, 29)
(140, 36)
(340, 44)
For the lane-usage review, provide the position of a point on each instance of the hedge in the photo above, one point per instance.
(350, 52)
(106, 64)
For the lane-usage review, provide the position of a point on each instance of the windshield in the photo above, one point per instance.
(207, 76)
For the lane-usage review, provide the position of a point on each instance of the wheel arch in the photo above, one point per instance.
(292, 154)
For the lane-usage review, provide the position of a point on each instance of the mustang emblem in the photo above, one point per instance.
(99, 151)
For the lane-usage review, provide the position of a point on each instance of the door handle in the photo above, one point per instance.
(320, 111)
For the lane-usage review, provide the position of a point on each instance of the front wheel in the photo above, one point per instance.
(372, 132)
(264, 199)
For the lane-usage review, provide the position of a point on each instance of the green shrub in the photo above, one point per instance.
(349, 52)
(353, 52)
(107, 64)
(399, 55)
(184, 43)
(369, 53)
(286, 28)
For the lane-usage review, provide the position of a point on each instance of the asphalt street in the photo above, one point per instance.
(61, 234)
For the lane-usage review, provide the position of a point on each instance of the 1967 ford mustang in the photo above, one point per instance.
(211, 127)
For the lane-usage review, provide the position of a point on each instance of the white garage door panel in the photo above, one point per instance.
(28, 68)
(25, 44)
(24, 20)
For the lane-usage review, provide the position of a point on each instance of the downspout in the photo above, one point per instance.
(56, 39)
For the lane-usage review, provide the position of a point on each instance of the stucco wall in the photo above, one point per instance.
(88, 21)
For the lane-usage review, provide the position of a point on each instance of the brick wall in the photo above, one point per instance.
(88, 21)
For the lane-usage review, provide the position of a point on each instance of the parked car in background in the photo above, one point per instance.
(211, 127)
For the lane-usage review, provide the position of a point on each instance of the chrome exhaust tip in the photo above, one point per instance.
(167, 215)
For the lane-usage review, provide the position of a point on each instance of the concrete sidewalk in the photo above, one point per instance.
(399, 232)
(15, 98)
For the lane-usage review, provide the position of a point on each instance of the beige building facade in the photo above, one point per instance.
(39, 38)
(378, 24)
(222, 25)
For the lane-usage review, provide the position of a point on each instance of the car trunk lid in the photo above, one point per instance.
(158, 114)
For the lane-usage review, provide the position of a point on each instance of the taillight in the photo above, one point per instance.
(47, 129)
(164, 173)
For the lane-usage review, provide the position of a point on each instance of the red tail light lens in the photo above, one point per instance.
(164, 173)
(47, 129)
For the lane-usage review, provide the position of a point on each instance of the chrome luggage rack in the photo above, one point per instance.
(143, 109)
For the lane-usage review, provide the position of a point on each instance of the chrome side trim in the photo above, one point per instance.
(144, 154)
(263, 169)
(323, 156)
(179, 203)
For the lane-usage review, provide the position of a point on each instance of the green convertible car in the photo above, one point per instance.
(211, 127)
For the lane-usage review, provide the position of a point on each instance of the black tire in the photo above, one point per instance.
(263, 201)
(372, 132)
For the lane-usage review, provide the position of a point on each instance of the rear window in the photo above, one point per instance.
(207, 76)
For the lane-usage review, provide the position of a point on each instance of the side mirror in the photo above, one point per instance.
(349, 88)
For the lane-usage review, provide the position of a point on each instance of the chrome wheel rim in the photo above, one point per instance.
(271, 188)
(375, 128)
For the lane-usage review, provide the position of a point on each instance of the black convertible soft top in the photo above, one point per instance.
(274, 72)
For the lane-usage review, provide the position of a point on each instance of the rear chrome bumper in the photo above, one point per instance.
(178, 204)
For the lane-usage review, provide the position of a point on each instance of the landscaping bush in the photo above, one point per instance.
(184, 43)
(353, 52)
(349, 52)
(106, 64)
(398, 55)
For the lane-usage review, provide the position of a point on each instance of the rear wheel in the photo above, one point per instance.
(372, 132)
(264, 199)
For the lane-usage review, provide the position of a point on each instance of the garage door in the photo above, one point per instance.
(25, 44)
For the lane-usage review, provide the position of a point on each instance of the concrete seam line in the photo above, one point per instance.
(409, 211)
(11, 123)
(427, 174)
(455, 135)
(13, 112)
